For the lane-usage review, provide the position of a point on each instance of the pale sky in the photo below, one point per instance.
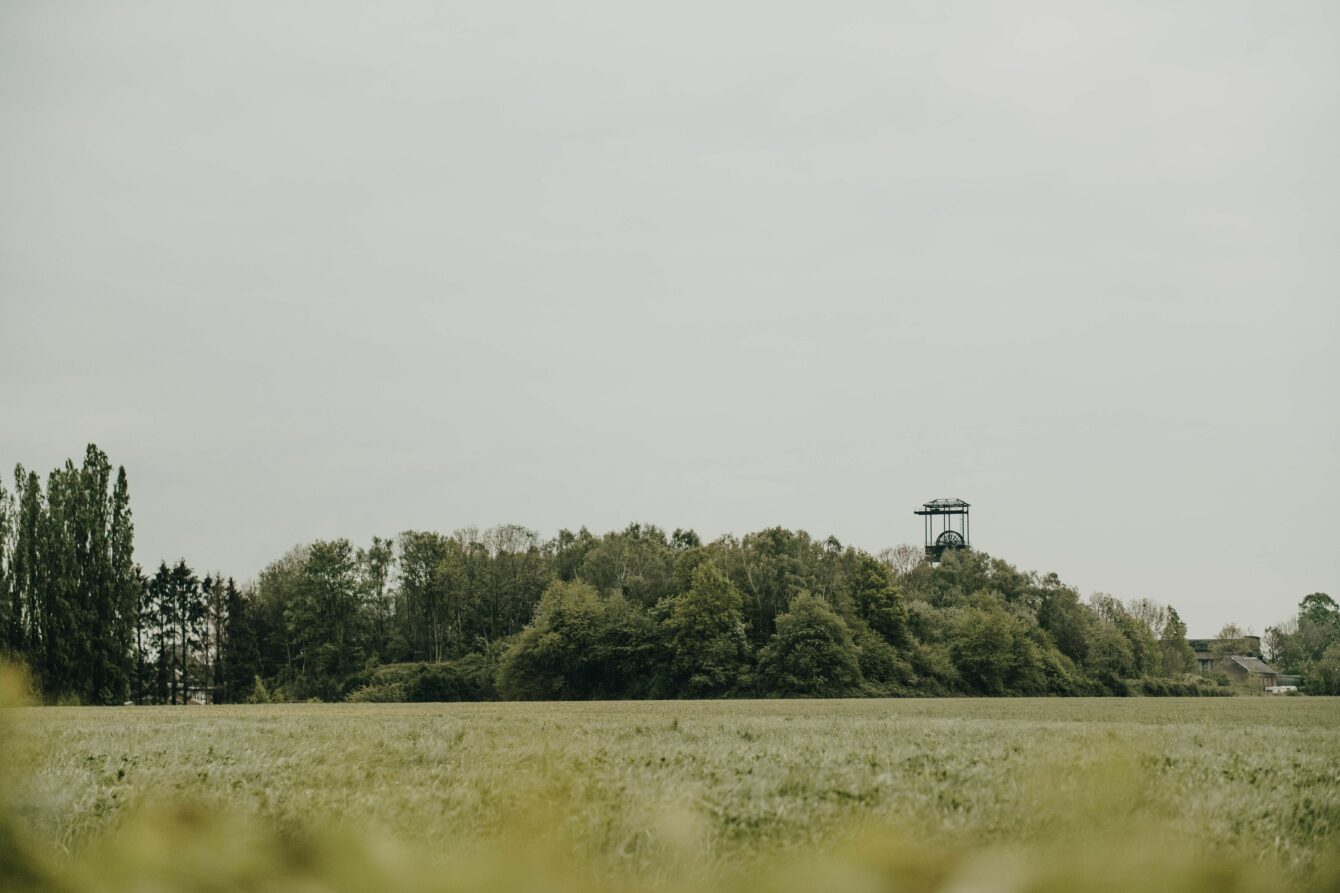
(331, 269)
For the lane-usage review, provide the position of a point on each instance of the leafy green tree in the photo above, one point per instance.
(1149, 612)
(427, 611)
(637, 562)
(770, 568)
(960, 574)
(992, 649)
(1318, 626)
(1298, 644)
(514, 569)
(570, 551)
(877, 600)
(324, 619)
(1109, 656)
(1324, 678)
(1146, 655)
(581, 645)
(1065, 619)
(1232, 639)
(1320, 609)
(556, 656)
(682, 540)
(551, 657)
(882, 667)
(706, 635)
(1177, 656)
(627, 659)
(811, 652)
(375, 564)
(687, 561)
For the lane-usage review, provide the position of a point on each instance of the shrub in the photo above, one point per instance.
(880, 662)
(811, 653)
(1158, 687)
(259, 693)
(582, 645)
(381, 693)
(418, 682)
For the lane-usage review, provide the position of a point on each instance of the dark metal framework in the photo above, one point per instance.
(952, 530)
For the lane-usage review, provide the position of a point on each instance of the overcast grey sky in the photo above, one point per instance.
(323, 269)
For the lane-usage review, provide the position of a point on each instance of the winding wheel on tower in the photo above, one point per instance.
(946, 527)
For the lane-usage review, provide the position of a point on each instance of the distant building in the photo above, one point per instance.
(1244, 666)
(1250, 670)
(1205, 650)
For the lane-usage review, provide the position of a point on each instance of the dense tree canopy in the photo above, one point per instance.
(1308, 644)
(630, 613)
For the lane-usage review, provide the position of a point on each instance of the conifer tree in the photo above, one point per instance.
(240, 658)
(124, 591)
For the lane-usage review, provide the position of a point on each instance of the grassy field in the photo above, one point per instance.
(1232, 793)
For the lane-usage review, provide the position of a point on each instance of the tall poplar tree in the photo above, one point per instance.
(8, 607)
(25, 636)
(100, 661)
(1177, 654)
(63, 627)
(125, 591)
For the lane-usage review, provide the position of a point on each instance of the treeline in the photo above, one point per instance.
(642, 613)
(69, 588)
(1308, 644)
(636, 613)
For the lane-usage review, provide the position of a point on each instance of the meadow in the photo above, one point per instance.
(1009, 794)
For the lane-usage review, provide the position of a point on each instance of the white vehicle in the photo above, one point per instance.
(1280, 689)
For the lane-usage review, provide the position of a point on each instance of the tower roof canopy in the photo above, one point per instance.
(943, 507)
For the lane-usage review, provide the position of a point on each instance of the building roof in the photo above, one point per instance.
(1210, 640)
(944, 507)
(1253, 664)
(1205, 646)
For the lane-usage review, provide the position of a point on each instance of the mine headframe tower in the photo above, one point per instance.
(946, 527)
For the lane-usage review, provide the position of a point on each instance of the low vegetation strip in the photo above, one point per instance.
(919, 794)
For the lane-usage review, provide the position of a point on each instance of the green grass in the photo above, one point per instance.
(688, 794)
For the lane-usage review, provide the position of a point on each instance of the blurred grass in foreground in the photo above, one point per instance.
(1097, 826)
